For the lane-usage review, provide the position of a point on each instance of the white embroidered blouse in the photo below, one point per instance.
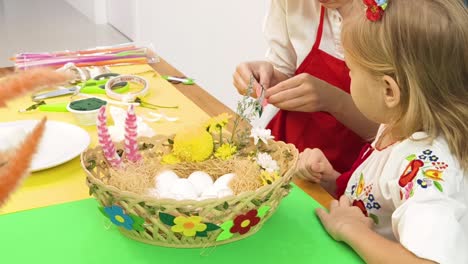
(417, 194)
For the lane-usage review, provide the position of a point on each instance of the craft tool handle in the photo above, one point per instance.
(56, 107)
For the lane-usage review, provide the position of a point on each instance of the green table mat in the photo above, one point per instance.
(76, 233)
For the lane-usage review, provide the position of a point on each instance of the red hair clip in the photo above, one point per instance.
(375, 9)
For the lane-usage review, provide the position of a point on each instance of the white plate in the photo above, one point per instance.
(61, 142)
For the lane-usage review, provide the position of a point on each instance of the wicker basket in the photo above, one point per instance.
(217, 221)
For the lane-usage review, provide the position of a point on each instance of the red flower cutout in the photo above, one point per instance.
(374, 12)
(360, 204)
(243, 223)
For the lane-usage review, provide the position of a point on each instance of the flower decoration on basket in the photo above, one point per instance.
(209, 184)
(375, 9)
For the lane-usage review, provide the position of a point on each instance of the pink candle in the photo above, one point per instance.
(105, 140)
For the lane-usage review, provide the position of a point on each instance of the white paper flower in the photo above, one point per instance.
(117, 131)
(267, 162)
(261, 134)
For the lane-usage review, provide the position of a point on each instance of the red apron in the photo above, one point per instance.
(343, 179)
(320, 129)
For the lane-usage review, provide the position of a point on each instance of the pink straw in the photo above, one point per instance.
(131, 144)
(105, 140)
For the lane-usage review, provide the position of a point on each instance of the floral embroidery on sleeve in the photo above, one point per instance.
(424, 171)
(362, 197)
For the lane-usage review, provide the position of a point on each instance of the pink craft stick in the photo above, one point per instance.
(105, 140)
(131, 144)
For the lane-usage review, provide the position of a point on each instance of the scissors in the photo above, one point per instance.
(91, 86)
(177, 80)
(260, 91)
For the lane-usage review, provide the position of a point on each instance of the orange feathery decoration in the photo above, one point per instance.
(20, 83)
(16, 168)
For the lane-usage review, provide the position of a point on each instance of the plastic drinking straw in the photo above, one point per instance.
(120, 54)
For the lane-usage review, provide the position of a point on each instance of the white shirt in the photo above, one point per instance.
(290, 30)
(428, 215)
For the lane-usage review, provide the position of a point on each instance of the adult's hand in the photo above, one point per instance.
(305, 93)
(263, 72)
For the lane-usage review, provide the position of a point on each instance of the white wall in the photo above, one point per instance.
(204, 39)
(48, 25)
(93, 9)
(122, 14)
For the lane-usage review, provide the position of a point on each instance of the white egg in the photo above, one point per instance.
(210, 193)
(183, 189)
(224, 192)
(152, 192)
(160, 195)
(201, 180)
(168, 195)
(165, 180)
(224, 180)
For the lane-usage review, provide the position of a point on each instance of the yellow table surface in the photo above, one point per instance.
(66, 182)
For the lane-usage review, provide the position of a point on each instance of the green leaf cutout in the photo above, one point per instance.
(227, 225)
(137, 222)
(225, 205)
(167, 219)
(374, 218)
(224, 235)
(211, 227)
(411, 157)
(438, 186)
(201, 234)
(263, 210)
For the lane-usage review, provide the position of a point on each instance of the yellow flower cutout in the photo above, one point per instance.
(193, 145)
(225, 151)
(170, 159)
(268, 177)
(216, 123)
(189, 226)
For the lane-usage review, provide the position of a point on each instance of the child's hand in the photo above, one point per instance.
(343, 219)
(314, 166)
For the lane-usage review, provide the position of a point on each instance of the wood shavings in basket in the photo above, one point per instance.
(139, 177)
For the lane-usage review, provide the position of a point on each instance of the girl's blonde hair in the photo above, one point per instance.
(423, 45)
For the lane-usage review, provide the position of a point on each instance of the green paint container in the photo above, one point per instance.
(87, 104)
(86, 110)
